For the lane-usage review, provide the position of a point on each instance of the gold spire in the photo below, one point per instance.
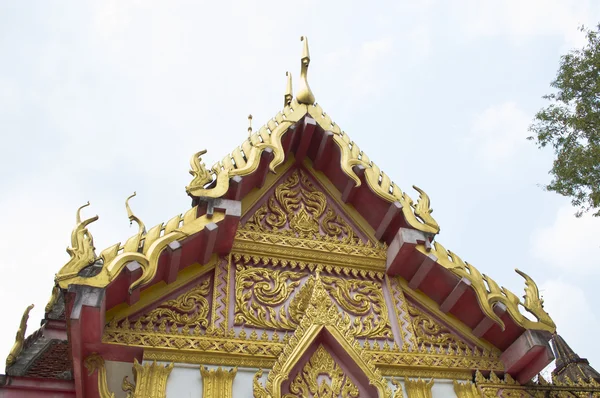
(305, 95)
(249, 125)
(133, 217)
(287, 98)
(19, 339)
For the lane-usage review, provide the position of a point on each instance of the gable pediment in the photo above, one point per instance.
(297, 218)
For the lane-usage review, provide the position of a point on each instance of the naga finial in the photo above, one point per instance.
(133, 217)
(198, 171)
(249, 126)
(19, 339)
(423, 209)
(305, 95)
(82, 247)
(289, 95)
(532, 300)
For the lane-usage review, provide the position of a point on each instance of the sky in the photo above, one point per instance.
(102, 98)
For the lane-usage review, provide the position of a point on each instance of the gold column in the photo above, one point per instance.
(466, 390)
(217, 383)
(151, 380)
(418, 388)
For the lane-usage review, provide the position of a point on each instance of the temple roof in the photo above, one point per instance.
(570, 367)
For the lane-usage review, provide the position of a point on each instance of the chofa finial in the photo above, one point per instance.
(305, 95)
(132, 217)
(289, 95)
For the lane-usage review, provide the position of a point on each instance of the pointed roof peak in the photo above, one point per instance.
(569, 365)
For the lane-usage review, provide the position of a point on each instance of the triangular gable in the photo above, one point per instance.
(321, 316)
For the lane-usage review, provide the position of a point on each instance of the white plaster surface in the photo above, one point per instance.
(184, 381)
(242, 384)
(443, 388)
(115, 371)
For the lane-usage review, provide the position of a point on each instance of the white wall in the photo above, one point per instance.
(115, 371)
(185, 381)
(443, 388)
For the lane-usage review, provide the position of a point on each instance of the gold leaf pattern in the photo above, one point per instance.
(322, 377)
(189, 309)
(262, 299)
(431, 333)
(297, 208)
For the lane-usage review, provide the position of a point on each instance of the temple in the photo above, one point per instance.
(300, 270)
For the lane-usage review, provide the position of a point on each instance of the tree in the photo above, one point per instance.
(571, 125)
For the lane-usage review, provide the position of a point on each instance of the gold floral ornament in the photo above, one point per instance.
(150, 380)
(297, 208)
(263, 298)
(418, 388)
(430, 333)
(189, 309)
(321, 376)
(19, 338)
(82, 248)
(321, 313)
(489, 292)
(217, 383)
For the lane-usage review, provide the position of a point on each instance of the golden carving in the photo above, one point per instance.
(150, 380)
(145, 249)
(418, 388)
(189, 309)
(398, 393)
(217, 383)
(304, 94)
(417, 216)
(489, 292)
(261, 294)
(298, 203)
(133, 243)
(533, 303)
(95, 362)
(53, 299)
(430, 333)
(321, 376)
(466, 390)
(19, 338)
(82, 248)
(321, 313)
(201, 177)
(244, 160)
(288, 96)
(494, 386)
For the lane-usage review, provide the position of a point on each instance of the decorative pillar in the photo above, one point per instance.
(466, 390)
(217, 383)
(418, 388)
(150, 380)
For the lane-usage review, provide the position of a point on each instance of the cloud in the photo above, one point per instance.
(569, 243)
(498, 132)
(525, 20)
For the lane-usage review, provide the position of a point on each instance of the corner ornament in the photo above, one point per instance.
(82, 248)
(19, 339)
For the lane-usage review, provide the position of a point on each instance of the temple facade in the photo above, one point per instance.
(300, 270)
